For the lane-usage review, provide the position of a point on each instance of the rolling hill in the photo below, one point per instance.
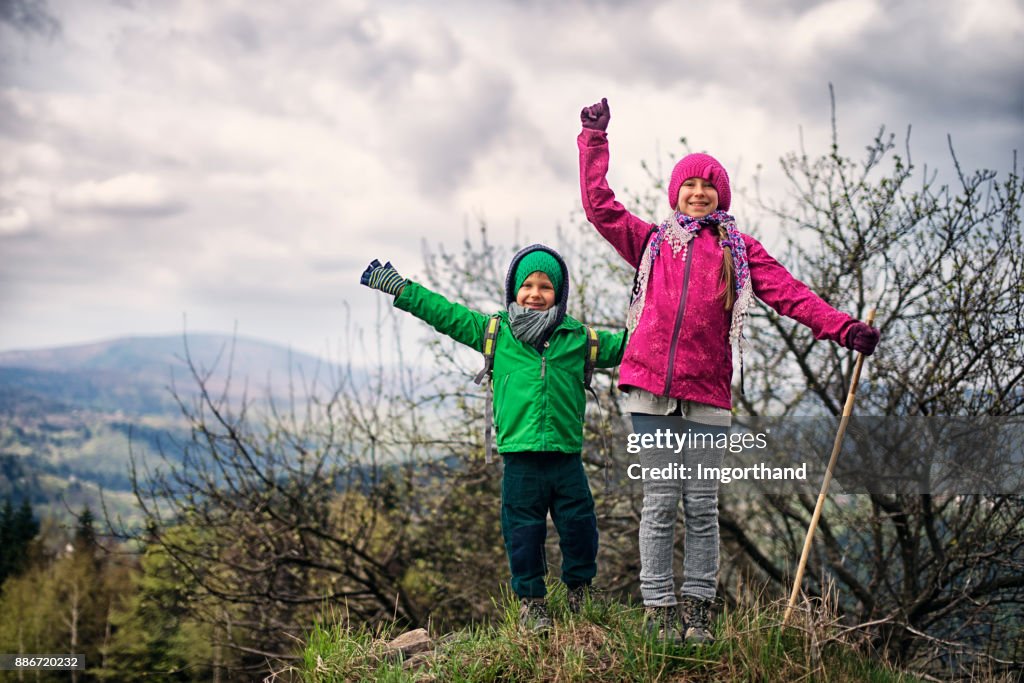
(72, 417)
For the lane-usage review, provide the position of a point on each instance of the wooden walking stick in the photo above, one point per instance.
(847, 411)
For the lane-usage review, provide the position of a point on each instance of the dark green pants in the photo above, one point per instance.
(533, 484)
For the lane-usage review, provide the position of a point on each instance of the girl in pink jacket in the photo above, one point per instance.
(696, 278)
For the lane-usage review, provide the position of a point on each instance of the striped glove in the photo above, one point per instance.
(385, 278)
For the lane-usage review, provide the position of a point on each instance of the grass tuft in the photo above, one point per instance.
(607, 641)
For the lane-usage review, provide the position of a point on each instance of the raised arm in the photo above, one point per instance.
(462, 324)
(626, 232)
(790, 297)
(610, 346)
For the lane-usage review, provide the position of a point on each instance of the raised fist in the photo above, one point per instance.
(596, 116)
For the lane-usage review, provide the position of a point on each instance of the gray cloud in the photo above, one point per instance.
(916, 58)
(246, 163)
(446, 143)
(29, 16)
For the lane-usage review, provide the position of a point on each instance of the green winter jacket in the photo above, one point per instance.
(539, 398)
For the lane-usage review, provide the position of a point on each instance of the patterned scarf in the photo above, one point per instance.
(677, 231)
(531, 326)
(692, 225)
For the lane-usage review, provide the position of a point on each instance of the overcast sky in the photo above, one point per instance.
(241, 162)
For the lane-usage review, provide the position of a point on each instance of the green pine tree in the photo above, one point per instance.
(18, 528)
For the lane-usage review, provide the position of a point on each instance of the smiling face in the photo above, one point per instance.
(697, 197)
(537, 292)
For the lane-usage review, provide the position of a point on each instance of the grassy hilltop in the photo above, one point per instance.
(606, 642)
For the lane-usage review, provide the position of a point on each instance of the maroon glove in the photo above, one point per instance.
(862, 338)
(596, 116)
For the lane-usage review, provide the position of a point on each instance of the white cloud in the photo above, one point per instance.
(830, 25)
(994, 19)
(14, 220)
(129, 193)
(33, 157)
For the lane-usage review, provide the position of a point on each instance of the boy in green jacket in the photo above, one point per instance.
(539, 401)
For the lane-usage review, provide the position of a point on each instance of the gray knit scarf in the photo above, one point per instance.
(531, 326)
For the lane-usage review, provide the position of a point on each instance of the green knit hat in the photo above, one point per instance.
(545, 263)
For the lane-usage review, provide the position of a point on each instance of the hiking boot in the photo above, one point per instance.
(576, 597)
(695, 614)
(533, 614)
(663, 624)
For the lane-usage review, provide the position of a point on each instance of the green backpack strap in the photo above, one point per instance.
(588, 375)
(490, 342)
(591, 361)
(484, 377)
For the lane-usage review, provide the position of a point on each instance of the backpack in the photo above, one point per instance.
(486, 373)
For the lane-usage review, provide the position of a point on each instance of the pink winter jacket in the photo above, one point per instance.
(680, 347)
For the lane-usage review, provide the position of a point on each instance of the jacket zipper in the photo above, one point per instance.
(543, 368)
(679, 316)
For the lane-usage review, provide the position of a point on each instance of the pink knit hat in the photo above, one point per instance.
(700, 166)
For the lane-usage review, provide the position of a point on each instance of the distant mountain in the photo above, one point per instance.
(135, 375)
(71, 417)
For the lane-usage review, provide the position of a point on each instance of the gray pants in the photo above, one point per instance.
(661, 505)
